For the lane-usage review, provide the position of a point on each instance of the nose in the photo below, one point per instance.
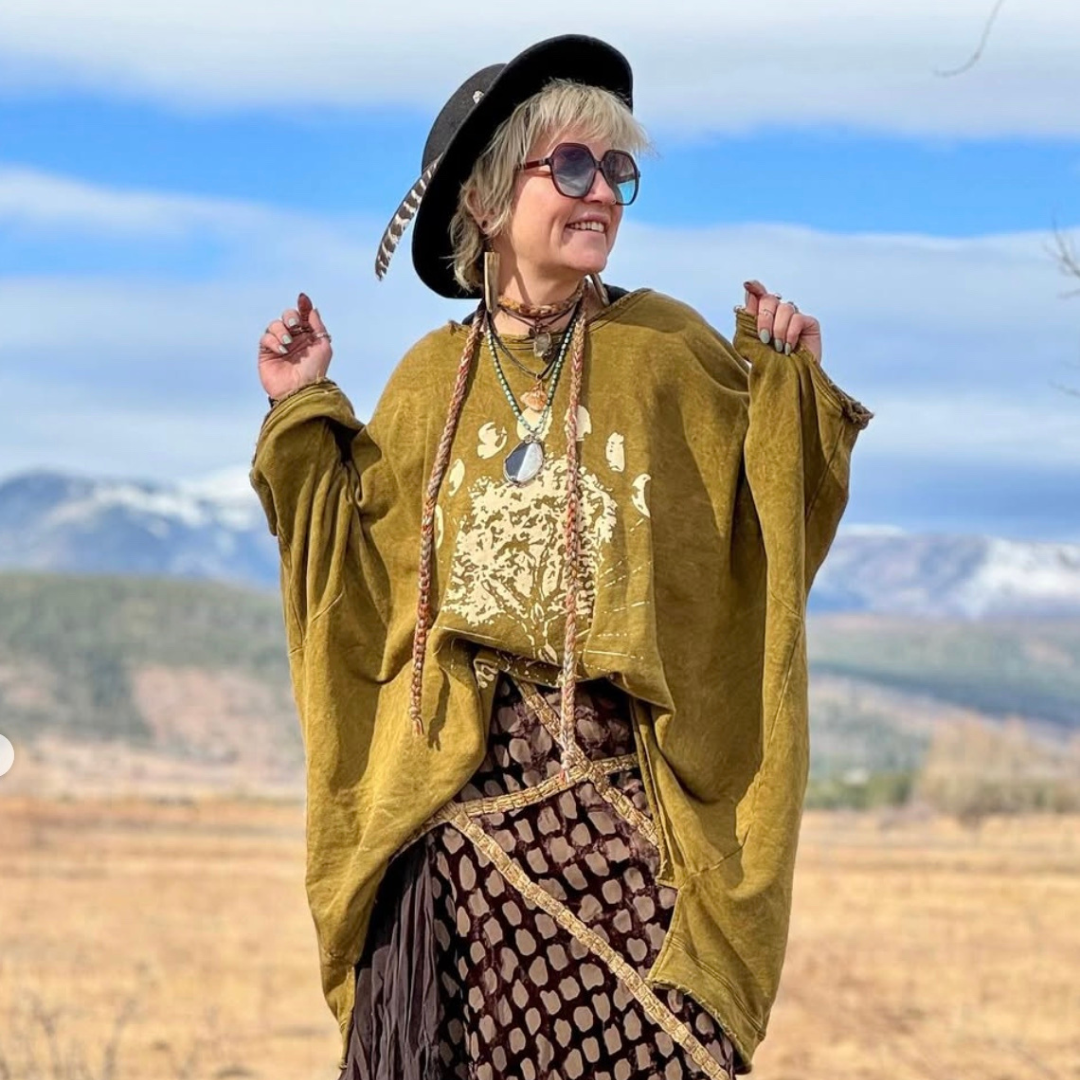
(601, 190)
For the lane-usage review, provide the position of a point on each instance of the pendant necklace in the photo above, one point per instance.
(539, 319)
(536, 396)
(525, 461)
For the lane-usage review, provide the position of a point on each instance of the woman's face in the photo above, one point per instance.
(552, 238)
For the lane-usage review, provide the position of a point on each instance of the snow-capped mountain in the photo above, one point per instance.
(215, 528)
(898, 573)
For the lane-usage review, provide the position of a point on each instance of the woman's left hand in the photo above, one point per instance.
(781, 323)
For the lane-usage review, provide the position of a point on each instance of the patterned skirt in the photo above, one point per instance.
(511, 938)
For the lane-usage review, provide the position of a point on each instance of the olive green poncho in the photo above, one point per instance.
(713, 478)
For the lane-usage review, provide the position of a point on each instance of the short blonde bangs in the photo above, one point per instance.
(562, 106)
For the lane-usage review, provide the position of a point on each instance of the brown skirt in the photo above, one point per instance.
(510, 940)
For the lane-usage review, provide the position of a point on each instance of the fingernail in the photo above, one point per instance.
(764, 335)
(293, 321)
(778, 345)
(787, 349)
(281, 349)
(286, 339)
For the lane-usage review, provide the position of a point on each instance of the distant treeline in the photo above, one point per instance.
(1001, 667)
(70, 644)
(970, 770)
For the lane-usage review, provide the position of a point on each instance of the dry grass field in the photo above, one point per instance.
(925, 949)
(172, 940)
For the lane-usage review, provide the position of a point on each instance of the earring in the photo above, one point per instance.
(491, 282)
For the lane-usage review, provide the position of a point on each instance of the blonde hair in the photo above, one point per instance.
(590, 111)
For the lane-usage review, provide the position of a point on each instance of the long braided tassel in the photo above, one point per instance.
(572, 543)
(427, 523)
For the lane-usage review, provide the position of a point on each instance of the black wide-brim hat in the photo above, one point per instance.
(462, 131)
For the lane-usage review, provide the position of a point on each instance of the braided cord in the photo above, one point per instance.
(571, 533)
(427, 522)
(540, 313)
(572, 538)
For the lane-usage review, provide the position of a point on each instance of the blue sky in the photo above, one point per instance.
(170, 180)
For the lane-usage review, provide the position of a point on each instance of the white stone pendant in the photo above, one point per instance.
(524, 462)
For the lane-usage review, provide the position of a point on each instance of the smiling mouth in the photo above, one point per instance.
(588, 226)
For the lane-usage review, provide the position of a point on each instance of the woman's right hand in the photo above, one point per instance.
(294, 351)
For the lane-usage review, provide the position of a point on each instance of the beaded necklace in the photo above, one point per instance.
(526, 460)
(536, 395)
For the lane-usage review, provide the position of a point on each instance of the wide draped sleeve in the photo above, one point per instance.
(344, 499)
(730, 925)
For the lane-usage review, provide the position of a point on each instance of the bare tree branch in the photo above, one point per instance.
(1067, 258)
(976, 56)
(1064, 251)
(1071, 390)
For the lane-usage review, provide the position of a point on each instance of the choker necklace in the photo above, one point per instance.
(540, 317)
(526, 460)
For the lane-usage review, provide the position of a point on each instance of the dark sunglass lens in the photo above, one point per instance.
(573, 169)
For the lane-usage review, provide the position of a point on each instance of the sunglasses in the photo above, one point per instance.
(573, 171)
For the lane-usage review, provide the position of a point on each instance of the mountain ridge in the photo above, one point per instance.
(214, 529)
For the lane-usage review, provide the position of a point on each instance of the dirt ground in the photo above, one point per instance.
(166, 940)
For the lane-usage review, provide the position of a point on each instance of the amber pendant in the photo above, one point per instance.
(524, 462)
(542, 345)
(536, 398)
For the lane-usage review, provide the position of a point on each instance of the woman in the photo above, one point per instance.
(563, 845)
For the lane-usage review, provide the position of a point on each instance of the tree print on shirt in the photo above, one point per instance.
(509, 553)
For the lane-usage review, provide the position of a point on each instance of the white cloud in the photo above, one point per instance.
(51, 422)
(33, 199)
(978, 426)
(960, 347)
(954, 344)
(699, 64)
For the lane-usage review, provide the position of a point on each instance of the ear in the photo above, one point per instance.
(472, 204)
